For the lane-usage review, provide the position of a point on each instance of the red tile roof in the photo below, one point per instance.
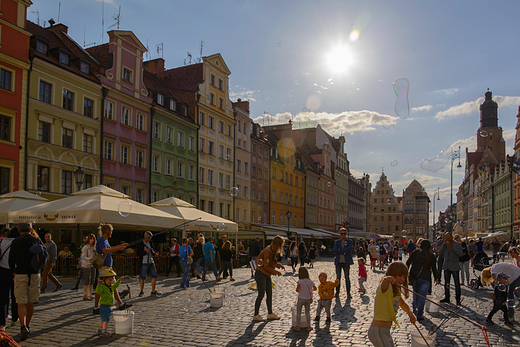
(100, 53)
(185, 78)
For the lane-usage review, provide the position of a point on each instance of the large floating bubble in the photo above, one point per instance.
(483, 133)
(402, 105)
(388, 124)
(437, 163)
(124, 208)
(234, 191)
(394, 163)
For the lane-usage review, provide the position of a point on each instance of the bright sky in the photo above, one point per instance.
(335, 63)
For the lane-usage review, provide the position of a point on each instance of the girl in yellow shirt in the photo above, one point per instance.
(388, 300)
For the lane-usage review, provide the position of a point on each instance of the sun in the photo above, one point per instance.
(339, 59)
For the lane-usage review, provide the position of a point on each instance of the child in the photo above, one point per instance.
(500, 299)
(388, 300)
(382, 257)
(395, 254)
(362, 275)
(106, 292)
(304, 288)
(326, 293)
(361, 253)
(400, 254)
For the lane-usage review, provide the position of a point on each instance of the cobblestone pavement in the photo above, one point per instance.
(184, 318)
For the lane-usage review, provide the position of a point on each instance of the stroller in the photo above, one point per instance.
(480, 262)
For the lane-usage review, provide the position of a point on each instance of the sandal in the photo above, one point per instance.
(296, 328)
(309, 328)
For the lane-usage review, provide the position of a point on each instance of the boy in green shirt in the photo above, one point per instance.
(106, 292)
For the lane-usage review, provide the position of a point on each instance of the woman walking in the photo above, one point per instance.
(312, 253)
(422, 263)
(198, 255)
(266, 266)
(89, 272)
(463, 261)
(302, 252)
(226, 256)
(293, 255)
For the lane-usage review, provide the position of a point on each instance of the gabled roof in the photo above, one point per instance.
(100, 53)
(221, 63)
(185, 78)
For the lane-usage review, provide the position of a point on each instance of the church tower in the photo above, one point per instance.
(489, 135)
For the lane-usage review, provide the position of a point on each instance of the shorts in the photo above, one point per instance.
(105, 312)
(148, 267)
(25, 292)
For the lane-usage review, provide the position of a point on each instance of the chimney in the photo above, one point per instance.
(155, 66)
(61, 27)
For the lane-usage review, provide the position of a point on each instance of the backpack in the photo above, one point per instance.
(39, 257)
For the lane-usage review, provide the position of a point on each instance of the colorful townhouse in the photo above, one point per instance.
(125, 129)
(204, 87)
(259, 176)
(243, 212)
(312, 177)
(173, 128)
(14, 66)
(64, 112)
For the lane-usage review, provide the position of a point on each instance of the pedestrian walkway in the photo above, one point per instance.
(184, 318)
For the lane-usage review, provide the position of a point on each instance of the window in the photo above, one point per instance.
(246, 192)
(169, 134)
(220, 84)
(87, 143)
(211, 146)
(125, 116)
(228, 154)
(139, 156)
(220, 103)
(155, 163)
(246, 168)
(84, 67)
(168, 166)
(201, 175)
(210, 177)
(44, 132)
(124, 154)
(173, 105)
(66, 139)
(155, 196)
(202, 204)
(201, 118)
(160, 99)
(140, 195)
(109, 110)
(43, 178)
(64, 58)
(212, 80)
(41, 47)
(45, 92)
(87, 181)
(108, 150)
(220, 180)
(221, 127)
(221, 152)
(210, 122)
(127, 75)
(156, 130)
(210, 206)
(191, 143)
(5, 79)
(212, 98)
(229, 130)
(239, 165)
(5, 128)
(88, 107)
(192, 173)
(201, 145)
(68, 100)
(180, 169)
(239, 144)
(140, 122)
(66, 182)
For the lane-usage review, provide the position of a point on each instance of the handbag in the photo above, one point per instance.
(189, 258)
(413, 277)
(98, 261)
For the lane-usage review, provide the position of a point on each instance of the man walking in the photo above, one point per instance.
(26, 280)
(343, 259)
(209, 258)
(47, 274)
(451, 251)
(254, 250)
(146, 252)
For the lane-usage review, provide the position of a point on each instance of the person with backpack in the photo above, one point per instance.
(26, 277)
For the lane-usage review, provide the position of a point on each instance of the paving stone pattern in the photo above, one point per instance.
(184, 318)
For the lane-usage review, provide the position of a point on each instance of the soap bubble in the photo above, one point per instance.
(517, 292)
(388, 124)
(328, 184)
(279, 44)
(402, 105)
(502, 287)
(483, 133)
(404, 233)
(221, 227)
(306, 110)
(394, 163)
(437, 163)
(234, 191)
(124, 208)
(259, 262)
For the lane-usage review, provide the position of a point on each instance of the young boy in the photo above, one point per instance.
(500, 299)
(326, 293)
(106, 292)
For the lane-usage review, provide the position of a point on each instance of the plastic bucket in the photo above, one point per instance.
(303, 319)
(434, 308)
(220, 289)
(216, 299)
(418, 340)
(427, 303)
(123, 322)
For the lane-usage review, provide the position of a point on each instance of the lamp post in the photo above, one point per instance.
(79, 175)
(347, 226)
(435, 194)
(454, 155)
(288, 215)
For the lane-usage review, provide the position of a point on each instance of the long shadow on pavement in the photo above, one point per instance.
(249, 334)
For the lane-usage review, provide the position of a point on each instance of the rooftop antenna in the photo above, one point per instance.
(189, 57)
(84, 38)
(37, 16)
(103, 22)
(201, 46)
(59, 11)
(117, 19)
(160, 50)
(147, 50)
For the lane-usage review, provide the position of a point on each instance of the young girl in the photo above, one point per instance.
(304, 288)
(106, 292)
(388, 300)
(362, 275)
(395, 254)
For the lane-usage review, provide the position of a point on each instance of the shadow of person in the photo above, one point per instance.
(250, 333)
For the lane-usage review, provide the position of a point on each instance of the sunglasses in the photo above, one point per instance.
(343, 233)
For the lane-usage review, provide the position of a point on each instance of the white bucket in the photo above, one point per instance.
(303, 319)
(418, 341)
(123, 322)
(434, 308)
(216, 299)
(220, 289)
(427, 303)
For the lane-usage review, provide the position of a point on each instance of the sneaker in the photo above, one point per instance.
(24, 333)
(95, 310)
(232, 280)
(105, 334)
(156, 293)
(317, 319)
(58, 287)
(258, 318)
(75, 288)
(446, 300)
(459, 303)
(349, 296)
(124, 306)
(328, 320)
(141, 294)
(99, 330)
(272, 316)
(42, 291)
(489, 321)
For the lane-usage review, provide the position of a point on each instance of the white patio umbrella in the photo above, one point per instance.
(96, 205)
(15, 201)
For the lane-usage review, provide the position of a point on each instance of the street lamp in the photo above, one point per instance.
(347, 226)
(435, 194)
(288, 214)
(79, 175)
(454, 155)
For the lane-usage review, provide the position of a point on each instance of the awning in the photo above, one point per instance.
(305, 233)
